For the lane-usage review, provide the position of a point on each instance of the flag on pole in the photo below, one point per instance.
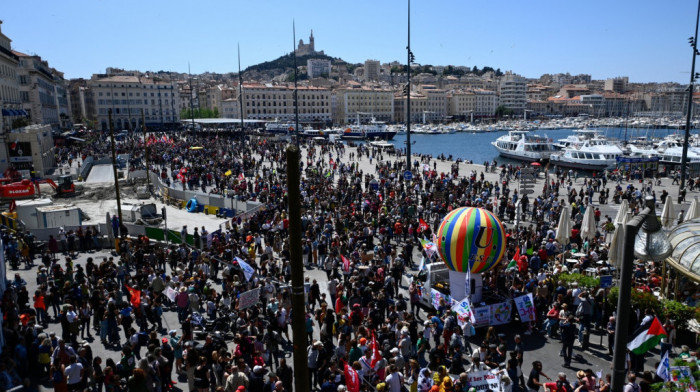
(352, 380)
(241, 177)
(647, 337)
(663, 371)
(134, 296)
(346, 263)
(421, 266)
(422, 225)
(376, 356)
(228, 172)
(248, 271)
(513, 262)
(430, 247)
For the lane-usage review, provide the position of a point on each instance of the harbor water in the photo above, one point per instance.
(477, 146)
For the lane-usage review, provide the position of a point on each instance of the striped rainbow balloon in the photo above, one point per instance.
(471, 237)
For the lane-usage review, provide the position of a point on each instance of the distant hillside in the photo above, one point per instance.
(286, 62)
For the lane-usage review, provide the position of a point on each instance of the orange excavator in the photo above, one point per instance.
(25, 189)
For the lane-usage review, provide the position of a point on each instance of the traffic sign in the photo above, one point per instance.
(527, 176)
(527, 191)
(408, 175)
(527, 186)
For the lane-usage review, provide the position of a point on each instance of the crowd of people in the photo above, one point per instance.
(364, 318)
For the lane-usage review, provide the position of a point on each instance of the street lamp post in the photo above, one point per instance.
(684, 157)
(649, 243)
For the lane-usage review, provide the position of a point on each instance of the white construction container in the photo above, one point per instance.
(26, 211)
(58, 216)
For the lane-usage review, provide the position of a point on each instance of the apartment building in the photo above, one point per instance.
(270, 102)
(42, 91)
(512, 90)
(128, 96)
(367, 102)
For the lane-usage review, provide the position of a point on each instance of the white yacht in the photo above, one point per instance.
(593, 154)
(523, 146)
(672, 156)
(577, 139)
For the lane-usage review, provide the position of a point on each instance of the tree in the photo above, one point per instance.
(502, 111)
(216, 112)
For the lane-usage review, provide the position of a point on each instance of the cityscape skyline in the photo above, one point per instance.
(604, 39)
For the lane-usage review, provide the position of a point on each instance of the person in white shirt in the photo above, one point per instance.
(394, 380)
(74, 374)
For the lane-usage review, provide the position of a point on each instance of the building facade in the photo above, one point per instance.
(270, 102)
(10, 101)
(43, 92)
(372, 70)
(318, 68)
(128, 96)
(512, 91)
(365, 102)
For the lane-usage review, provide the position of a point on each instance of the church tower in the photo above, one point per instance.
(311, 42)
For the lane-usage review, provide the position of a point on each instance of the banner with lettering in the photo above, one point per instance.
(436, 296)
(526, 307)
(249, 298)
(482, 316)
(484, 380)
(464, 312)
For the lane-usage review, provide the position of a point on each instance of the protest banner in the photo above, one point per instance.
(484, 380)
(500, 313)
(526, 307)
(249, 298)
(464, 312)
(482, 316)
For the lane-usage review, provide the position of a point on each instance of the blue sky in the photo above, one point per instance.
(645, 40)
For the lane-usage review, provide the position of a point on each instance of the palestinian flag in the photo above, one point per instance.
(513, 262)
(134, 296)
(647, 337)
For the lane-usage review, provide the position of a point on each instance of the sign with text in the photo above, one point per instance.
(484, 380)
(526, 307)
(249, 298)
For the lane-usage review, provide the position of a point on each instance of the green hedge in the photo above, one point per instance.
(674, 310)
(581, 279)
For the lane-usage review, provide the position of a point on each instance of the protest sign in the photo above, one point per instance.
(526, 307)
(484, 380)
(249, 298)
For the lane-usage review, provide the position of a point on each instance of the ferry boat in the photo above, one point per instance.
(277, 127)
(593, 154)
(577, 139)
(523, 146)
(374, 130)
(324, 133)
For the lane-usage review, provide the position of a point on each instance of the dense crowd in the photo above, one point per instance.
(365, 315)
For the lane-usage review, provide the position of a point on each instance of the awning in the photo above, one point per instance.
(12, 112)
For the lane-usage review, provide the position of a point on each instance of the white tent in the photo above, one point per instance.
(617, 244)
(694, 210)
(564, 227)
(588, 227)
(668, 214)
(619, 218)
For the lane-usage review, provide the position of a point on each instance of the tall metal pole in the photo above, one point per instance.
(114, 168)
(189, 73)
(145, 146)
(684, 157)
(240, 85)
(408, 93)
(296, 92)
(301, 381)
(632, 227)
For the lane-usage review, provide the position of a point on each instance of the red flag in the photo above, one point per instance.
(422, 225)
(135, 296)
(346, 263)
(376, 356)
(517, 255)
(352, 380)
